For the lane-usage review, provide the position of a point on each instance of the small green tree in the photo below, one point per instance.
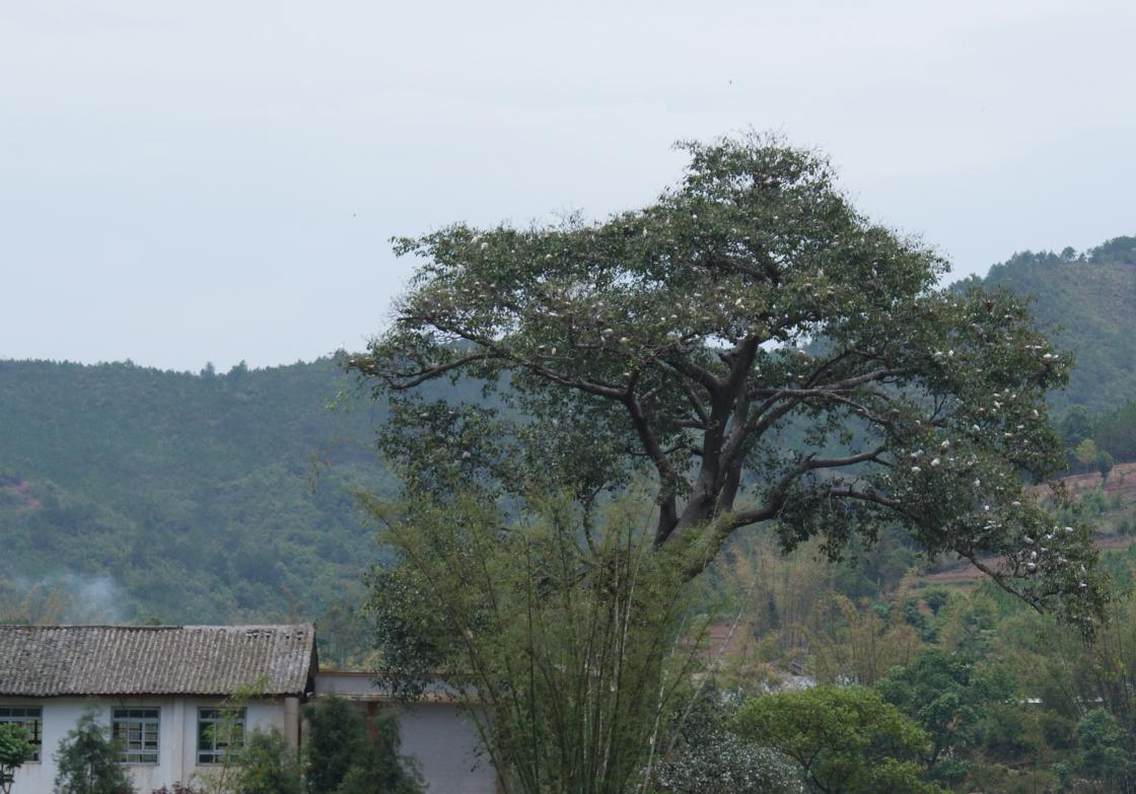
(1105, 462)
(15, 749)
(87, 761)
(1103, 747)
(341, 758)
(229, 733)
(1076, 425)
(380, 767)
(948, 695)
(847, 740)
(333, 743)
(1087, 453)
(266, 765)
(705, 757)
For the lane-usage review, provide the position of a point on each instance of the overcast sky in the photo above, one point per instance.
(183, 182)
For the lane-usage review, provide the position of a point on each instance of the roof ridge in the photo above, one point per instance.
(159, 627)
(88, 659)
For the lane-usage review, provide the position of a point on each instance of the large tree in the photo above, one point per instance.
(757, 346)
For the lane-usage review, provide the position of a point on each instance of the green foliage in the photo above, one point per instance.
(690, 340)
(333, 742)
(999, 688)
(1077, 425)
(847, 740)
(265, 765)
(341, 758)
(15, 749)
(558, 630)
(199, 499)
(1104, 749)
(380, 767)
(706, 757)
(87, 761)
(1086, 453)
(1011, 735)
(936, 598)
(948, 695)
(1086, 305)
(1115, 432)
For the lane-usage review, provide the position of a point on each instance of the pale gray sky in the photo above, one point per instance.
(192, 181)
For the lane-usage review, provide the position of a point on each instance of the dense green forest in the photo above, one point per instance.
(1086, 303)
(186, 497)
(129, 493)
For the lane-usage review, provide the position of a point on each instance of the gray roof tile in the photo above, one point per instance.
(47, 661)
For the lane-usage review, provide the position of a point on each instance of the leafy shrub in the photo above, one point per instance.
(710, 759)
(1101, 742)
(15, 749)
(87, 761)
(341, 758)
(846, 739)
(266, 765)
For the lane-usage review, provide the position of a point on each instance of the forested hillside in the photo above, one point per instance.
(132, 493)
(1087, 304)
(185, 497)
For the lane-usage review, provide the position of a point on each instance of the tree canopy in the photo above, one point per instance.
(757, 346)
(847, 739)
(948, 696)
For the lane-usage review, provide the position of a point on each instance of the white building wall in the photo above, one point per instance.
(445, 745)
(177, 737)
(436, 734)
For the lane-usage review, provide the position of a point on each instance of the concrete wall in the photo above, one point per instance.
(177, 737)
(444, 743)
(435, 734)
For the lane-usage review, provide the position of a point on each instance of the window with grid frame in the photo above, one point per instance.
(30, 718)
(219, 732)
(136, 732)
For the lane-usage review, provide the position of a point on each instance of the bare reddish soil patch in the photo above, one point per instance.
(21, 491)
(1121, 482)
(967, 574)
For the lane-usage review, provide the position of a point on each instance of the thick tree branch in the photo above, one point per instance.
(684, 366)
(401, 381)
(500, 353)
(668, 478)
(846, 384)
(722, 526)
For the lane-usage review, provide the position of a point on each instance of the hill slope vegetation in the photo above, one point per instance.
(191, 497)
(1086, 303)
(143, 494)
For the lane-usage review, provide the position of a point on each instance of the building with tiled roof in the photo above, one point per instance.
(177, 698)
